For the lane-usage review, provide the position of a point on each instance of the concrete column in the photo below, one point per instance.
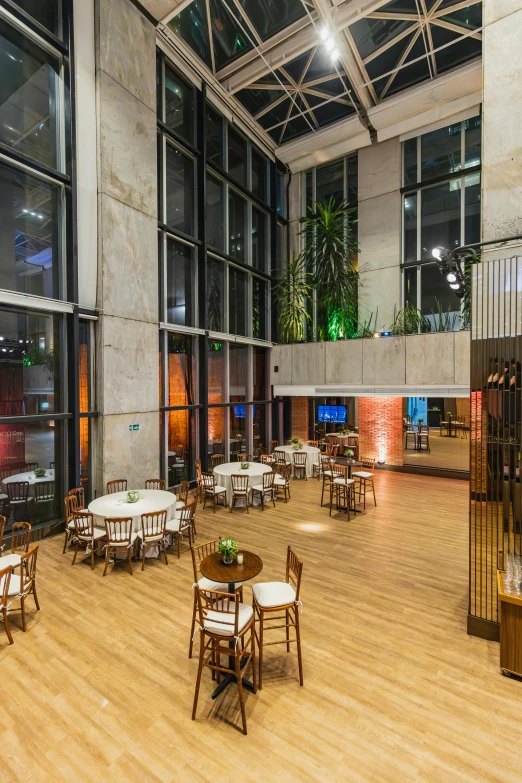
(295, 211)
(127, 287)
(502, 120)
(380, 231)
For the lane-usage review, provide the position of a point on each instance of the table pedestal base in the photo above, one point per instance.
(227, 680)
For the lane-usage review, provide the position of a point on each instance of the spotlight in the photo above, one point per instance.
(455, 286)
(376, 334)
(437, 253)
(324, 33)
(451, 277)
(334, 53)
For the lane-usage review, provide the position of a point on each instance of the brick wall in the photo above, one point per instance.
(479, 437)
(300, 418)
(380, 429)
(463, 409)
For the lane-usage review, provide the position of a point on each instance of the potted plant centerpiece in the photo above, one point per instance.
(348, 454)
(133, 496)
(245, 465)
(39, 472)
(228, 549)
(296, 443)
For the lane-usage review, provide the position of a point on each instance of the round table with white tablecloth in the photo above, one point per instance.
(30, 478)
(224, 472)
(116, 506)
(312, 456)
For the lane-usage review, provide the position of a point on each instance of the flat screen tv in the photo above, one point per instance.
(240, 411)
(331, 414)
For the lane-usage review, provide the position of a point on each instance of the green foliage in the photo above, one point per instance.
(296, 442)
(36, 356)
(443, 320)
(410, 320)
(291, 293)
(366, 328)
(466, 299)
(228, 546)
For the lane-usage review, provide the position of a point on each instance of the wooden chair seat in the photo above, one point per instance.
(270, 595)
(150, 539)
(10, 560)
(120, 539)
(220, 587)
(362, 474)
(222, 623)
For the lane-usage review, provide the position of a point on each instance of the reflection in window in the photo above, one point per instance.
(472, 209)
(409, 151)
(259, 308)
(437, 298)
(214, 137)
(29, 212)
(260, 435)
(29, 98)
(441, 152)
(215, 302)
(179, 105)
(281, 193)
(216, 372)
(280, 250)
(259, 239)
(30, 375)
(215, 218)
(180, 283)
(330, 181)
(181, 445)
(473, 142)
(237, 157)
(238, 429)
(440, 217)
(181, 369)
(86, 425)
(180, 191)
(237, 301)
(47, 12)
(236, 225)
(410, 227)
(260, 375)
(238, 358)
(216, 430)
(410, 286)
(85, 364)
(259, 170)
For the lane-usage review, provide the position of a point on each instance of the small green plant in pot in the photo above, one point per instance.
(228, 549)
(39, 472)
(348, 453)
(296, 443)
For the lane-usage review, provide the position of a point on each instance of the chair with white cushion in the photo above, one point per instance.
(70, 504)
(79, 494)
(181, 491)
(199, 553)
(152, 534)
(265, 489)
(224, 619)
(299, 462)
(365, 478)
(20, 540)
(342, 488)
(329, 473)
(19, 498)
(5, 579)
(86, 534)
(119, 536)
(3, 522)
(23, 585)
(117, 485)
(239, 489)
(155, 484)
(280, 601)
(282, 478)
(211, 489)
(181, 523)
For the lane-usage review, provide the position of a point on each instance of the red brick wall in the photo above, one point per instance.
(463, 409)
(300, 418)
(380, 429)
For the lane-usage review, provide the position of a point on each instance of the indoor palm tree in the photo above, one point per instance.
(291, 293)
(330, 255)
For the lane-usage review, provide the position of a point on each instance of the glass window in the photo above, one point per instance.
(437, 297)
(353, 180)
(180, 191)
(280, 250)
(259, 308)
(86, 425)
(180, 283)
(179, 105)
(30, 363)
(216, 372)
(215, 217)
(181, 439)
(410, 286)
(237, 157)
(238, 360)
(260, 373)
(409, 150)
(410, 227)
(441, 152)
(259, 239)
(215, 304)
(309, 195)
(238, 429)
(181, 368)
(473, 142)
(237, 301)
(270, 18)
(440, 217)
(214, 137)
(259, 175)
(85, 367)
(47, 12)
(281, 192)
(29, 231)
(30, 98)
(329, 181)
(472, 209)
(236, 225)
(260, 434)
(216, 430)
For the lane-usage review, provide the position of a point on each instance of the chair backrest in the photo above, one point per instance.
(79, 494)
(3, 522)
(184, 489)
(186, 515)
(217, 459)
(352, 440)
(268, 479)
(242, 457)
(20, 536)
(294, 571)
(334, 440)
(44, 490)
(208, 480)
(5, 579)
(153, 524)
(284, 470)
(118, 530)
(28, 466)
(368, 462)
(5, 473)
(288, 442)
(224, 604)
(197, 463)
(314, 443)
(117, 485)
(70, 505)
(217, 447)
(239, 482)
(266, 459)
(326, 461)
(28, 567)
(200, 552)
(341, 471)
(299, 458)
(17, 490)
(273, 444)
(83, 525)
(155, 484)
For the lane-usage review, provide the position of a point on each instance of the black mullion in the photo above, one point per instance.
(273, 244)
(35, 165)
(181, 407)
(73, 432)
(225, 257)
(202, 340)
(406, 189)
(177, 138)
(177, 233)
(214, 169)
(35, 418)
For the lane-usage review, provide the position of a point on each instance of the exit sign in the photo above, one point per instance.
(134, 427)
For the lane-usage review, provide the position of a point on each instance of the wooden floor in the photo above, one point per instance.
(450, 453)
(100, 688)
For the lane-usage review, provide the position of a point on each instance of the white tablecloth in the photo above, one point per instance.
(343, 439)
(116, 505)
(31, 478)
(224, 472)
(312, 455)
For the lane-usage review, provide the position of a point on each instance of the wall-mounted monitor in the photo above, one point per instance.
(331, 414)
(240, 411)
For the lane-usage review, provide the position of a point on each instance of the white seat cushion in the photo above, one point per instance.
(362, 474)
(4, 497)
(280, 481)
(14, 585)
(172, 525)
(208, 584)
(345, 482)
(331, 473)
(155, 537)
(222, 623)
(270, 594)
(70, 525)
(118, 537)
(260, 488)
(97, 533)
(10, 560)
(215, 489)
(179, 504)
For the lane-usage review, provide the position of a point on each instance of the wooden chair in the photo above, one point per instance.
(423, 438)
(443, 426)
(18, 494)
(273, 445)
(314, 443)
(280, 601)
(282, 479)
(152, 534)
(4, 497)
(43, 492)
(365, 478)
(318, 467)
(20, 538)
(267, 487)
(24, 585)
(30, 466)
(343, 489)
(408, 436)
(224, 618)
(155, 484)
(332, 449)
(239, 489)
(118, 485)
(79, 494)
(198, 554)
(5, 581)
(182, 523)
(244, 457)
(212, 490)
(217, 447)
(266, 459)
(86, 533)
(119, 536)
(299, 464)
(181, 491)
(70, 506)
(329, 474)
(217, 459)
(3, 522)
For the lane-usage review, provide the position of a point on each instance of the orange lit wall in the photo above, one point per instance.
(177, 420)
(300, 418)
(216, 416)
(463, 409)
(84, 407)
(380, 429)
(479, 433)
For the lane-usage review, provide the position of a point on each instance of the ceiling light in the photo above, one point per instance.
(335, 53)
(324, 33)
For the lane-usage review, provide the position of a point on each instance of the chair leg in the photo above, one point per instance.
(193, 627)
(22, 604)
(287, 613)
(198, 678)
(240, 689)
(143, 555)
(75, 553)
(364, 495)
(92, 556)
(66, 539)
(254, 674)
(373, 490)
(35, 597)
(130, 561)
(7, 626)
(298, 637)
(260, 649)
(164, 545)
(106, 559)
(178, 536)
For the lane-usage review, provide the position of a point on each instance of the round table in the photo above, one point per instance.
(116, 505)
(223, 474)
(312, 456)
(31, 479)
(212, 567)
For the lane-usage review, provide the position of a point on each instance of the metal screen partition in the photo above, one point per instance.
(496, 393)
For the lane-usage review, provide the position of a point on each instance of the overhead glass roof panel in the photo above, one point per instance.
(269, 17)
(192, 26)
(255, 99)
(371, 34)
(470, 17)
(451, 56)
(228, 34)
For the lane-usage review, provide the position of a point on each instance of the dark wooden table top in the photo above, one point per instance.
(213, 567)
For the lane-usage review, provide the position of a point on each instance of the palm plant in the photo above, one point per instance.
(409, 320)
(443, 320)
(291, 292)
(330, 250)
